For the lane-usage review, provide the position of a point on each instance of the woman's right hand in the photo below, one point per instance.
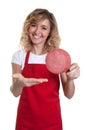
(28, 81)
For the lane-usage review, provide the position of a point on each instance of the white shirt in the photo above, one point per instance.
(19, 58)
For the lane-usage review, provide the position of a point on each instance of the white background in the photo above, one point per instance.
(71, 19)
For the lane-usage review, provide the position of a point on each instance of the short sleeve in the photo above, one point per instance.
(19, 57)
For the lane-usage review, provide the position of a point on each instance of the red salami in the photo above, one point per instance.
(58, 61)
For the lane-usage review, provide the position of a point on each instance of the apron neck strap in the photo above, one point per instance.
(27, 57)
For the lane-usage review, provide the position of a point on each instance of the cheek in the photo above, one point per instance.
(31, 30)
(46, 35)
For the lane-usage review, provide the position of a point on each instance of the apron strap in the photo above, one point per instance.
(26, 58)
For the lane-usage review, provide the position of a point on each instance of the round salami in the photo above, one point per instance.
(58, 61)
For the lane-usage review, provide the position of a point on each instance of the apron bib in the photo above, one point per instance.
(39, 105)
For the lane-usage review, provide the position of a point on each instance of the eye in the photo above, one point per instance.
(33, 25)
(44, 28)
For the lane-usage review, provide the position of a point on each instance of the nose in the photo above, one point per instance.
(37, 31)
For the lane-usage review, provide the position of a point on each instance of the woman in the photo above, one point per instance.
(39, 105)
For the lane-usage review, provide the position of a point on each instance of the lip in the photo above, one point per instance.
(36, 36)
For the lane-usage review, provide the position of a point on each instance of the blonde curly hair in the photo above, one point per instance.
(53, 39)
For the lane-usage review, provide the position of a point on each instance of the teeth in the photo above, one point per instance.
(37, 37)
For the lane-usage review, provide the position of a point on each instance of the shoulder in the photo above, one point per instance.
(18, 56)
(19, 52)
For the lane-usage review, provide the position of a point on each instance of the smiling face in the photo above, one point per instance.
(39, 31)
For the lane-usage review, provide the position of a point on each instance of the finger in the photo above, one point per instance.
(75, 73)
(43, 80)
(39, 80)
(73, 66)
(14, 76)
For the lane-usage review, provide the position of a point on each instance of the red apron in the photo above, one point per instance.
(39, 105)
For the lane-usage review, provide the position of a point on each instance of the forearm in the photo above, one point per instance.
(16, 88)
(69, 89)
(67, 79)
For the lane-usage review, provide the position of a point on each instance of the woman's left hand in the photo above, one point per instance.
(74, 71)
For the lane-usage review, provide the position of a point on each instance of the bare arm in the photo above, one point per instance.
(19, 81)
(68, 80)
(15, 82)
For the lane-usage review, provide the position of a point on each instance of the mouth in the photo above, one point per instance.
(37, 36)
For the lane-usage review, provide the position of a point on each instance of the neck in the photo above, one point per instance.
(37, 50)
